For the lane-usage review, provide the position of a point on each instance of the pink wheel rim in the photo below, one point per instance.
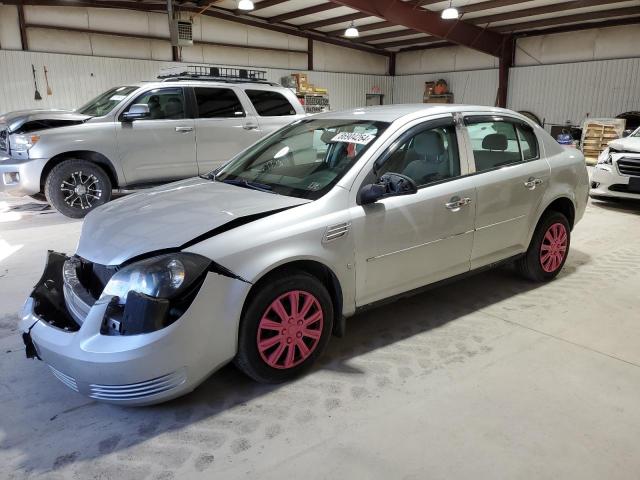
(553, 248)
(290, 329)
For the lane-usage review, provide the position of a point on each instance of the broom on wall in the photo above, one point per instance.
(46, 79)
(35, 83)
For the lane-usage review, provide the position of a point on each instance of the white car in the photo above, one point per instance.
(617, 173)
(261, 261)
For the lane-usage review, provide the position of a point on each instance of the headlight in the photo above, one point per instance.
(22, 143)
(165, 276)
(605, 157)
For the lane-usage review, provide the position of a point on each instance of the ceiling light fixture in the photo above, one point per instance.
(352, 31)
(245, 5)
(450, 13)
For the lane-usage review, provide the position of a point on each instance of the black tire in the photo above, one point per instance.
(250, 360)
(531, 264)
(76, 203)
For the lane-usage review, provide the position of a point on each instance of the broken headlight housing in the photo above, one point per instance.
(22, 143)
(151, 294)
(605, 157)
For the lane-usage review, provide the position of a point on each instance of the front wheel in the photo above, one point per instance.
(285, 328)
(75, 187)
(548, 249)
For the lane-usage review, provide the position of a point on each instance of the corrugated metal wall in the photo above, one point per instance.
(474, 87)
(572, 91)
(76, 79)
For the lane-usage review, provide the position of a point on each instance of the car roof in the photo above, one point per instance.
(209, 83)
(391, 113)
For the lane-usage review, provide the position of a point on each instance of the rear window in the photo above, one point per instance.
(270, 104)
(218, 103)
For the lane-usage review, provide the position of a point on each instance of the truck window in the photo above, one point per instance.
(270, 104)
(218, 103)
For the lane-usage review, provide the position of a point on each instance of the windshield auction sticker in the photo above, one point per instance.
(352, 137)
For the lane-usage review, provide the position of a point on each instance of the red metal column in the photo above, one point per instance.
(23, 28)
(506, 60)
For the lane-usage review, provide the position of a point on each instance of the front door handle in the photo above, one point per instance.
(456, 203)
(532, 183)
(250, 126)
(184, 129)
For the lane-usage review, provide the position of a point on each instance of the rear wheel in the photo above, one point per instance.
(75, 187)
(285, 328)
(548, 249)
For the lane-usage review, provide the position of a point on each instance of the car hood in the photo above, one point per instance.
(170, 217)
(628, 144)
(20, 118)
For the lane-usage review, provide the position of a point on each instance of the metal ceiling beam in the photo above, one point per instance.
(577, 18)
(266, 4)
(426, 21)
(303, 12)
(332, 21)
(530, 12)
(616, 22)
(410, 41)
(364, 28)
(384, 36)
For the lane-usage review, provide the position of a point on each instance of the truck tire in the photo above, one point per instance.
(74, 187)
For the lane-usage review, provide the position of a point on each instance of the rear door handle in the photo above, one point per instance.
(184, 129)
(250, 126)
(456, 203)
(532, 183)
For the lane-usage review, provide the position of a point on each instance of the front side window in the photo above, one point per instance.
(218, 103)
(163, 103)
(494, 144)
(104, 103)
(428, 156)
(270, 104)
(305, 159)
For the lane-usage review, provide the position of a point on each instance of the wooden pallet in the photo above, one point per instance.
(595, 137)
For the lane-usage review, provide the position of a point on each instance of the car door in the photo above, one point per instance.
(405, 242)
(224, 126)
(511, 177)
(161, 146)
(274, 109)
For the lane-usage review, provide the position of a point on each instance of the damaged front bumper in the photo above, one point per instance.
(137, 369)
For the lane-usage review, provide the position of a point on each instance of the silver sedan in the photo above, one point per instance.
(261, 261)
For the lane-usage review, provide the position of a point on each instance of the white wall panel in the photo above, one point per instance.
(445, 59)
(475, 87)
(572, 91)
(332, 58)
(9, 28)
(76, 79)
(74, 17)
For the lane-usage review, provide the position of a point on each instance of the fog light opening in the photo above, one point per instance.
(11, 178)
(595, 184)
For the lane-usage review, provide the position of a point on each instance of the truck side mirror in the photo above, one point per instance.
(136, 112)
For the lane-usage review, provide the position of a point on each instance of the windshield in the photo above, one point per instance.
(305, 159)
(104, 103)
(636, 133)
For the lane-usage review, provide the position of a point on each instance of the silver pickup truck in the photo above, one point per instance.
(136, 135)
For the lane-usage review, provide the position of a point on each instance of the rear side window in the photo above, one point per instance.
(494, 144)
(528, 142)
(218, 103)
(270, 104)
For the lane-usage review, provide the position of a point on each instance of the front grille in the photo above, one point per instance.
(133, 391)
(4, 140)
(629, 166)
(66, 379)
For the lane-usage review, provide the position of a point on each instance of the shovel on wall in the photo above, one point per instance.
(35, 83)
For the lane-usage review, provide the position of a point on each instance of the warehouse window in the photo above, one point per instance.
(494, 144)
(218, 103)
(270, 104)
(163, 103)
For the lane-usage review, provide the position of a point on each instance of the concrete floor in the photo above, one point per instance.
(492, 377)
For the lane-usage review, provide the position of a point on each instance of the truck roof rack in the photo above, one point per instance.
(214, 74)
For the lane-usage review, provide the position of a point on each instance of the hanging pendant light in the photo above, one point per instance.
(245, 5)
(450, 13)
(352, 31)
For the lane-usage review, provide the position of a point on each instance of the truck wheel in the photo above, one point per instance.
(75, 187)
(548, 249)
(285, 328)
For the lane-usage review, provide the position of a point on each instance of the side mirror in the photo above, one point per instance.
(389, 185)
(136, 112)
(371, 193)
